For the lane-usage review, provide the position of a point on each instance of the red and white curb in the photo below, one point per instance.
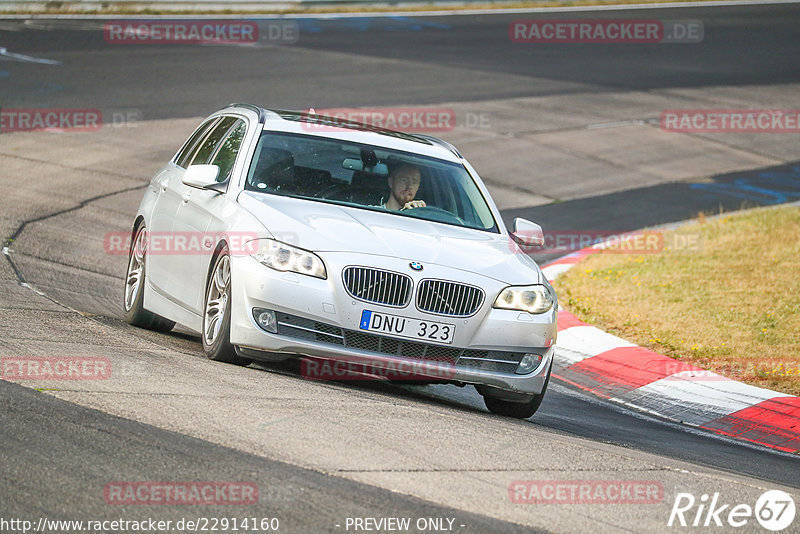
(617, 370)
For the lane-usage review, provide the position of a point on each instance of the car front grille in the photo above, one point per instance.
(448, 298)
(311, 330)
(491, 360)
(379, 286)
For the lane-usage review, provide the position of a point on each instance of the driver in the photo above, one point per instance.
(403, 185)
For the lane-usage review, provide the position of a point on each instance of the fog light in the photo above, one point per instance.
(528, 363)
(266, 320)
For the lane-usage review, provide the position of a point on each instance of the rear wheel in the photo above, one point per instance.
(133, 301)
(217, 313)
(520, 410)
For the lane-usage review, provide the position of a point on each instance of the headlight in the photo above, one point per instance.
(532, 299)
(283, 257)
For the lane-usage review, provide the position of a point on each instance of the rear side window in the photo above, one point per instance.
(189, 147)
(209, 145)
(228, 150)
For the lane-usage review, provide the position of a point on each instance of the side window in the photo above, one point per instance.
(209, 144)
(188, 148)
(228, 150)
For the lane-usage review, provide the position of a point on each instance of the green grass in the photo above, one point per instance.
(732, 306)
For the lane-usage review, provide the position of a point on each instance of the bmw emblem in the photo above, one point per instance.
(417, 266)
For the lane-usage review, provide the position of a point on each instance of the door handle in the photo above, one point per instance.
(186, 197)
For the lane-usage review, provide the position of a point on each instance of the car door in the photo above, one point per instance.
(196, 210)
(169, 189)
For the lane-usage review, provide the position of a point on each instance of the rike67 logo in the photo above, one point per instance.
(774, 511)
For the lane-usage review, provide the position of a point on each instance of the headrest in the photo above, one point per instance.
(369, 180)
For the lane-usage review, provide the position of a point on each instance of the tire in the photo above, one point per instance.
(216, 332)
(519, 410)
(133, 297)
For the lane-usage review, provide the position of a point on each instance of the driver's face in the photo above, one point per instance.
(404, 184)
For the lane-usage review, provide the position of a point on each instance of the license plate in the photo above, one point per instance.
(407, 327)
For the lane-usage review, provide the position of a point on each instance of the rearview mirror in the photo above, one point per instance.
(354, 164)
(527, 233)
(203, 177)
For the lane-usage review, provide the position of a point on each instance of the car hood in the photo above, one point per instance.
(322, 227)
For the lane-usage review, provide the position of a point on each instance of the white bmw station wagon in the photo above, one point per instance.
(330, 241)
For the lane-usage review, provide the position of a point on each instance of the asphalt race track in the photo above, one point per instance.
(528, 118)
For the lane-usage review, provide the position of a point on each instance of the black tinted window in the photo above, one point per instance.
(228, 150)
(209, 145)
(374, 178)
(189, 147)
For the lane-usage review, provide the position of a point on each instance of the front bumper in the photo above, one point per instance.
(318, 318)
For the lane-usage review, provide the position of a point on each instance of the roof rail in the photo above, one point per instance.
(441, 143)
(262, 113)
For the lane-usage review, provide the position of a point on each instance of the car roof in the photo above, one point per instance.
(309, 123)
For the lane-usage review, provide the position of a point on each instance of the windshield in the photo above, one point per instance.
(368, 177)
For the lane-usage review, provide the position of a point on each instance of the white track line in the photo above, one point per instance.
(697, 401)
(27, 59)
(589, 341)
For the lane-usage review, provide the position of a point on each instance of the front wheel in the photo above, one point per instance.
(520, 410)
(217, 315)
(133, 301)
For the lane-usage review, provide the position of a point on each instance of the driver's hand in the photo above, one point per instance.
(414, 204)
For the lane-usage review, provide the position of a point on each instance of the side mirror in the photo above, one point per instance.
(203, 177)
(527, 233)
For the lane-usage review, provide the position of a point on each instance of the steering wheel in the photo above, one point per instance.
(436, 213)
